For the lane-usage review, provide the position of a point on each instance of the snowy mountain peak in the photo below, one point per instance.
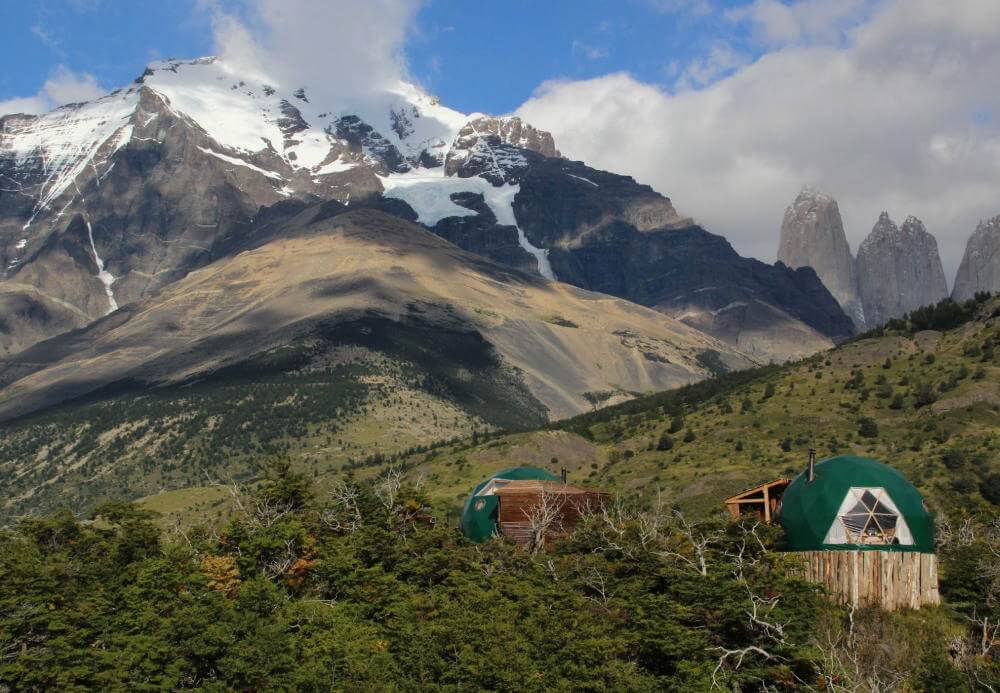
(47, 153)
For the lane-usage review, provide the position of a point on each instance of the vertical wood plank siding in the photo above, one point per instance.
(891, 580)
(515, 506)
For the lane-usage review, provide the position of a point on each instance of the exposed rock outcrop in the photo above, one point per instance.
(497, 148)
(611, 234)
(329, 270)
(980, 268)
(812, 235)
(899, 269)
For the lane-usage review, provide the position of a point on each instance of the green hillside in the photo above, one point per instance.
(922, 395)
(323, 402)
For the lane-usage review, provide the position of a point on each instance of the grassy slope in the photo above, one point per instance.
(324, 404)
(741, 424)
(740, 435)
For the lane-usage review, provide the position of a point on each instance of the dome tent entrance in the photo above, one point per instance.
(868, 516)
(855, 503)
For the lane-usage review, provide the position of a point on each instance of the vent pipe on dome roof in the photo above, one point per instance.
(811, 474)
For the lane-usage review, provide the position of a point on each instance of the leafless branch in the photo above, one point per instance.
(697, 542)
(544, 518)
(280, 564)
(740, 654)
(257, 510)
(343, 515)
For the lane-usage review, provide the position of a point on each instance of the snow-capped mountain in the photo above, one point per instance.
(107, 202)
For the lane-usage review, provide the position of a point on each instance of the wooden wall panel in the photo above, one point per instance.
(888, 579)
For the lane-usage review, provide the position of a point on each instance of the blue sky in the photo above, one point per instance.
(476, 56)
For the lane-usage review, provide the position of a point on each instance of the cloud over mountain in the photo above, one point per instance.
(346, 47)
(62, 87)
(891, 106)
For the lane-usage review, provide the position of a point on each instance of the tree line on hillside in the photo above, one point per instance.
(356, 590)
(946, 314)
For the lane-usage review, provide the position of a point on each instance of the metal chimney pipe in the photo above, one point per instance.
(563, 474)
(812, 465)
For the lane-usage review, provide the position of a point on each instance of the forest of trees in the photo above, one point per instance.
(356, 590)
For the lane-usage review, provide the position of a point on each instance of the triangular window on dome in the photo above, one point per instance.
(868, 516)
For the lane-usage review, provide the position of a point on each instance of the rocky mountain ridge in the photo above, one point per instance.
(812, 235)
(897, 269)
(105, 204)
(980, 268)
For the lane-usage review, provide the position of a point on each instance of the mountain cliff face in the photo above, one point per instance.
(812, 235)
(899, 269)
(105, 204)
(326, 274)
(980, 268)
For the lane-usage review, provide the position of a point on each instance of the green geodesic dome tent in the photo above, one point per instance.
(855, 503)
(479, 517)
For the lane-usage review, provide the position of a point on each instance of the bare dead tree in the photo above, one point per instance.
(594, 579)
(988, 633)
(279, 565)
(551, 567)
(739, 655)
(257, 510)
(388, 486)
(544, 517)
(613, 525)
(696, 541)
(949, 534)
(343, 515)
(760, 608)
(853, 659)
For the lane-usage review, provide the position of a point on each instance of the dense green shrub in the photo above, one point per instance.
(867, 427)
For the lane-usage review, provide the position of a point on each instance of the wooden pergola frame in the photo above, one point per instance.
(762, 499)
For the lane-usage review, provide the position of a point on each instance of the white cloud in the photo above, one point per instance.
(777, 23)
(345, 47)
(720, 60)
(588, 51)
(64, 86)
(901, 114)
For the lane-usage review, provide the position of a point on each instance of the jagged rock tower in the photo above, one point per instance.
(812, 235)
(899, 269)
(980, 268)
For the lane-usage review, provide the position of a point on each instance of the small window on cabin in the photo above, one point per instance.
(480, 504)
(868, 516)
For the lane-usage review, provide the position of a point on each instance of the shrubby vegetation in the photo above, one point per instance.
(947, 314)
(356, 590)
(135, 440)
